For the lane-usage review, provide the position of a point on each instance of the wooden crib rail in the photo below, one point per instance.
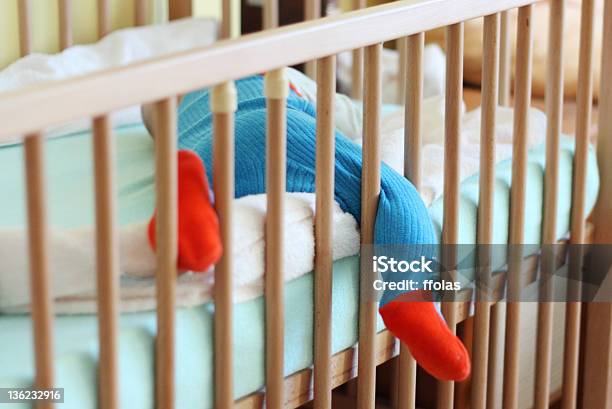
(219, 63)
(27, 112)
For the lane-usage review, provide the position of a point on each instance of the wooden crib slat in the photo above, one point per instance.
(226, 21)
(413, 91)
(495, 357)
(276, 88)
(25, 27)
(140, 12)
(180, 9)
(65, 23)
(166, 200)
(103, 18)
(107, 261)
(413, 84)
(452, 133)
(312, 11)
(505, 59)
(326, 85)
(517, 203)
(357, 66)
(401, 44)
(223, 106)
(490, 72)
(554, 111)
(40, 280)
(577, 229)
(270, 14)
(370, 192)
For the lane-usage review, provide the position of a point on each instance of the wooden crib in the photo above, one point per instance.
(317, 42)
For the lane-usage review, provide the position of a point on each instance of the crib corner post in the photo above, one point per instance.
(597, 375)
(603, 209)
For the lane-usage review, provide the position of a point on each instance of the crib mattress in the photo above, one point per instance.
(76, 348)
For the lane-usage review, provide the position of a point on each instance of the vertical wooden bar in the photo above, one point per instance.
(65, 23)
(326, 84)
(276, 90)
(40, 283)
(370, 192)
(554, 111)
(180, 9)
(402, 44)
(452, 133)
(413, 83)
(107, 262)
(603, 209)
(583, 121)
(312, 11)
(226, 20)
(505, 60)
(25, 27)
(166, 199)
(490, 72)
(103, 18)
(357, 67)
(223, 105)
(140, 12)
(495, 357)
(522, 95)
(270, 14)
(597, 382)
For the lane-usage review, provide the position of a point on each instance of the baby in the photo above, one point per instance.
(402, 218)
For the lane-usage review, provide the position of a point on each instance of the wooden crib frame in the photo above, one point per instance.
(29, 111)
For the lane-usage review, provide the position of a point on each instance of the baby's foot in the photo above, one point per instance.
(199, 242)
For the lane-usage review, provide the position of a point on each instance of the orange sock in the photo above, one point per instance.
(199, 242)
(418, 325)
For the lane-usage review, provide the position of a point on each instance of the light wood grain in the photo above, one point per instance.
(223, 183)
(517, 204)
(358, 61)
(554, 111)
(326, 85)
(370, 192)
(495, 358)
(597, 389)
(226, 19)
(276, 147)
(180, 9)
(141, 11)
(490, 73)
(312, 11)
(452, 133)
(40, 279)
(505, 59)
(598, 334)
(166, 234)
(584, 98)
(603, 208)
(107, 261)
(402, 62)
(103, 18)
(413, 83)
(25, 27)
(223, 61)
(65, 23)
(270, 14)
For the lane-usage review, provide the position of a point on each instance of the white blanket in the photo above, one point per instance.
(72, 251)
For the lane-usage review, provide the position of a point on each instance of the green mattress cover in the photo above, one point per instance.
(76, 345)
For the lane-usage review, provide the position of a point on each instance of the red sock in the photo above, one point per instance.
(199, 242)
(418, 325)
